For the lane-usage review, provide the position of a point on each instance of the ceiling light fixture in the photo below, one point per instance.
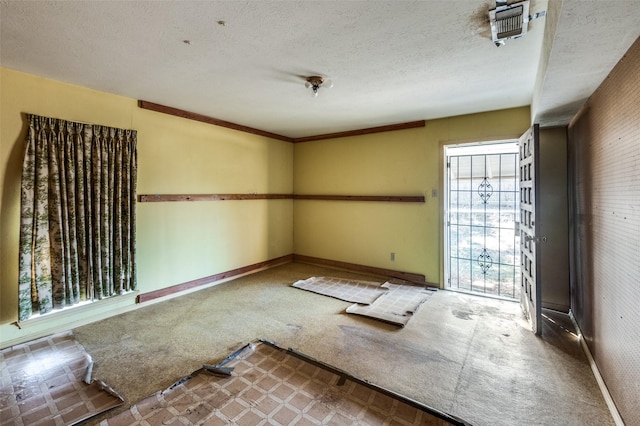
(315, 82)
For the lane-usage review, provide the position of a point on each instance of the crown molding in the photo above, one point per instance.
(222, 123)
(209, 120)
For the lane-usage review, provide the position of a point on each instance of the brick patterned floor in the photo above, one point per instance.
(42, 383)
(272, 386)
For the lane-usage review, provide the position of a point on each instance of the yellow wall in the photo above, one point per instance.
(176, 242)
(183, 241)
(405, 162)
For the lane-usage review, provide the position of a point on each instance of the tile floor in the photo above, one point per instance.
(271, 386)
(42, 383)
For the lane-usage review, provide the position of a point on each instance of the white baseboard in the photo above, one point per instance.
(596, 372)
(40, 326)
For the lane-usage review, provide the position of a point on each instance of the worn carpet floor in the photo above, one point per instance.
(262, 384)
(48, 382)
(472, 357)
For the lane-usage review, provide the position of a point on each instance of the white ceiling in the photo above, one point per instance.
(390, 61)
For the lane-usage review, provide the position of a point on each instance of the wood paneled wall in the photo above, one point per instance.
(604, 162)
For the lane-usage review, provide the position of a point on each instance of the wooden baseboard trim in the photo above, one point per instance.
(617, 418)
(145, 297)
(407, 276)
(168, 291)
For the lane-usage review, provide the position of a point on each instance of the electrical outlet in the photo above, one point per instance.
(393, 256)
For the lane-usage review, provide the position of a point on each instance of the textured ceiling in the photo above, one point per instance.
(390, 61)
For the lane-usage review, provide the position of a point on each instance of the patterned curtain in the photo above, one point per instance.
(77, 229)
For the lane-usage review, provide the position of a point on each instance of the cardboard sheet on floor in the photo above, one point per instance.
(48, 382)
(364, 292)
(396, 306)
(271, 385)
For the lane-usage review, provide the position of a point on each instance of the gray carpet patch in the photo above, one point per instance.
(392, 303)
(364, 292)
(397, 306)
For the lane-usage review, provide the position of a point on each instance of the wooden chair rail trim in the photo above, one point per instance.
(150, 198)
(380, 198)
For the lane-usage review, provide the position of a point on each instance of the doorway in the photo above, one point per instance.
(482, 241)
